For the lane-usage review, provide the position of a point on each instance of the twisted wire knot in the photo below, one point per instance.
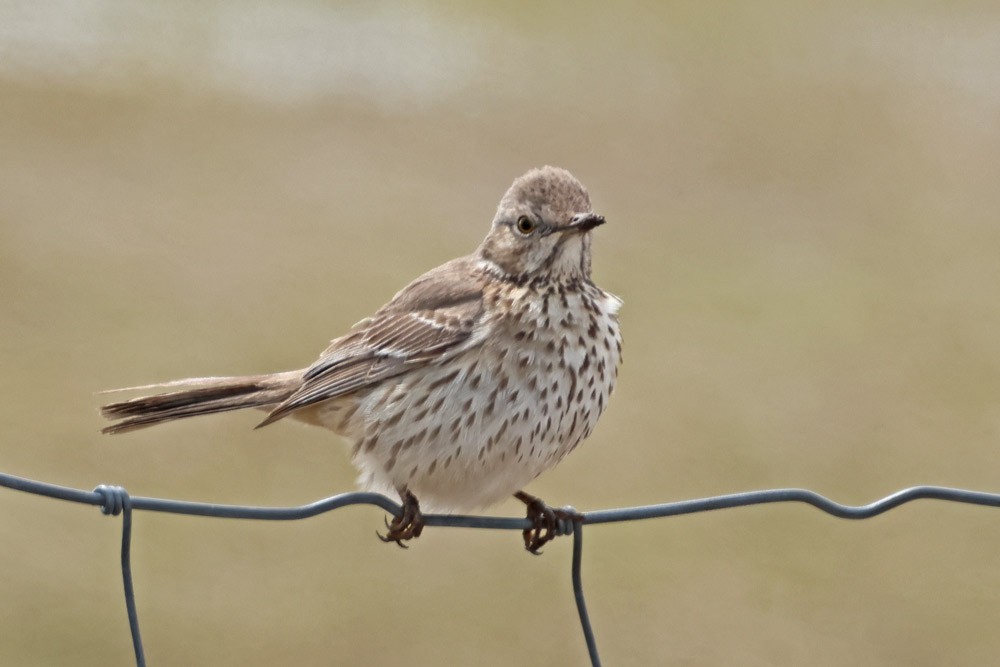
(115, 499)
(566, 521)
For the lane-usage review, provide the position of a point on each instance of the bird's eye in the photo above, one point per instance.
(525, 225)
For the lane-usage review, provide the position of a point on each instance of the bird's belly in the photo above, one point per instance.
(473, 430)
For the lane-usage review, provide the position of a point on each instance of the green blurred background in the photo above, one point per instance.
(804, 225)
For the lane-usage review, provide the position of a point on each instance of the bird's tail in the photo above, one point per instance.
(199, 396)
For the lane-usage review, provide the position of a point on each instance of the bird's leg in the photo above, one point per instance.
(547, 523)
(409, 524)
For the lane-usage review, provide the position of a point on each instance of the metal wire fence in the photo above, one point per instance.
(114, 500)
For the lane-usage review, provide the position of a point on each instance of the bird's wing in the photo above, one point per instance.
(431, 319)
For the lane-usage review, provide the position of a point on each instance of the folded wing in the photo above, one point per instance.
(429, 321)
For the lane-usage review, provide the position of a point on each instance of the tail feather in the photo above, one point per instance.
(200, 396)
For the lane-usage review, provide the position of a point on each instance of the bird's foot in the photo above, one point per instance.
(408, 525)
(547, 523)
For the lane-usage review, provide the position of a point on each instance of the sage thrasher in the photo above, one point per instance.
(474, 379)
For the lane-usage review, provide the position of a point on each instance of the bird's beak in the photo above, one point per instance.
(584, 222)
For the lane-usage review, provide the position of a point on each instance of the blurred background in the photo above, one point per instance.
(804, 224)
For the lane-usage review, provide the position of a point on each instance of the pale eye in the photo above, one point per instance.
(525, 225)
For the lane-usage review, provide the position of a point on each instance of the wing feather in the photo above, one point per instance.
(430, 320)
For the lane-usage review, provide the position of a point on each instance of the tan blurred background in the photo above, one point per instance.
(804, 225)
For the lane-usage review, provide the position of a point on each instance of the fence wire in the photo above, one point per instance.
(114, 500)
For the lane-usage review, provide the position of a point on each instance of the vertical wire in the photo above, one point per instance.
(581, 603)
(133, 614)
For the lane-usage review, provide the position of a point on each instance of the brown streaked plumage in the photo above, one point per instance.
(474, 379)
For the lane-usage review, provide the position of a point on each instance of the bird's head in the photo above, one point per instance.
(542, 227)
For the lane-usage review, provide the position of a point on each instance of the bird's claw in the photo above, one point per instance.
(547, 523)
(408, 525)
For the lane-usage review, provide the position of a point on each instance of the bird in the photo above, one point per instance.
(474, 379)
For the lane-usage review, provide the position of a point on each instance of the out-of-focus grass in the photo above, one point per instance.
(803, 224)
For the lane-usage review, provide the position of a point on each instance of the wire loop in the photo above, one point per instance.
(115, 499)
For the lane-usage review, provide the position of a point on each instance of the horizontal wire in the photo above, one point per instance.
(769, 496)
